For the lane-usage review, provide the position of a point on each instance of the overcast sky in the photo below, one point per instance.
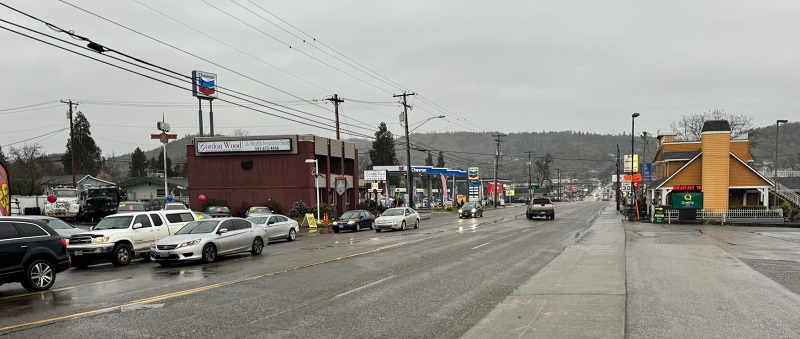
(509, 66)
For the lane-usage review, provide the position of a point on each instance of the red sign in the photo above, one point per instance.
(687, 188)
(5, 194)
(637, 177)
(490, 186)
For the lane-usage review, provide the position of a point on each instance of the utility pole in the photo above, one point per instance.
(496, 166)
(558, 187)
(617, 183)
(530, 190)
(336, 101)
(409, 182)
(71, 140)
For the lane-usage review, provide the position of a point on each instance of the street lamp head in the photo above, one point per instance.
(782, 121)
(311, 161)
(635, 115)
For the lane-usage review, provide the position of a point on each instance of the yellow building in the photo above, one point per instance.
(718, 164)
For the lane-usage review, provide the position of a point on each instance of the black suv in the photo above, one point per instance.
(31, 253)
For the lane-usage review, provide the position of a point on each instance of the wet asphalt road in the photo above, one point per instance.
(433, 282)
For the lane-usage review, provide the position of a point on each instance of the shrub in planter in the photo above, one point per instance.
(299, 210)
(323, 208)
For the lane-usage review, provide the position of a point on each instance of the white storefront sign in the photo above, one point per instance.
(253, 145)
(375, 175)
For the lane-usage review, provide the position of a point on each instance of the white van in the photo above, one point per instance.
(119, 237)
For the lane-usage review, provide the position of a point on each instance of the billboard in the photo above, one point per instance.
(5, 194)
(472, 173)
(204, 85)
(631, 167)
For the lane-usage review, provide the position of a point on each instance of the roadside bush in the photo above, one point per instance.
(323, 208)
(788, 210)
(213, 202)
(449, 209)
(241, 211)
(299, 210)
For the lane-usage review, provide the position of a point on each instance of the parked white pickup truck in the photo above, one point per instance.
(119, 237)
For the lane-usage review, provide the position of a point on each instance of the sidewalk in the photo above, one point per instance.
(580, 294)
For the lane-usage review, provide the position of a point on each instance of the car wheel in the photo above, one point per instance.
(553, 217)
(377, 230)
(121, 255)
(335, 229)
(530, 217)
(145, 256)
(371, 226)
(209, 253)
(403, 225)
(459, 217)
(164, 263)
(39, 276)
(358, 228)
(416, 224)
(292, 235)
(258, 246)
(80, 263)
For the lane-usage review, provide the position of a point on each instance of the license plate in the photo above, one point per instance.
(78, 252)
(341, 226)
(163, 255)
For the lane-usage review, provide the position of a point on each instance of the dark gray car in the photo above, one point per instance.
(62, 227)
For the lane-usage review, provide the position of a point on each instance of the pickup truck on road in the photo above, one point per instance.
(119, 237)
(541, 207)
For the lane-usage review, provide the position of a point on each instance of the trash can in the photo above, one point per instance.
(658, 215)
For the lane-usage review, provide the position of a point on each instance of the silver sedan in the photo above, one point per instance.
(277, 226)
(206, 239)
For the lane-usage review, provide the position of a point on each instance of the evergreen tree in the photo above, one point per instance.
(3, 158)
(86, 152)
(157, 165)
(440, 160)
(382, 152)
(138, 165)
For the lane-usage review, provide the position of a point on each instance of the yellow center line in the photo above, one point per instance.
(57, 289)
(208, 287)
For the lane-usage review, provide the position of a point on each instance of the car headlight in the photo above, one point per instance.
(474, 210)
(335, 222)
(189, 243)
(100, 239)
(89, 204)
(460, 211)
(351, 222)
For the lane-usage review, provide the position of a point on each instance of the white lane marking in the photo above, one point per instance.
(363, 287)
(480, 245)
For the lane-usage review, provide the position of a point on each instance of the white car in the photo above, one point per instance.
(397, 218)
(171, 206)
(277, 226)
(206, 239)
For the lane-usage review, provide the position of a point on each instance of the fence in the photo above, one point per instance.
(737, 214)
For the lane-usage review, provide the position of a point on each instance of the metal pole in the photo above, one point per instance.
(166, 189)
(211, 116)
(777, 134)
(409, 177)
(200, 114)
(617, 183)
(316, 183)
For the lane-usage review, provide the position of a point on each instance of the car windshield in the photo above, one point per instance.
(102, 192)
(218, 209)
(199, 227)
(350, 215)
(58, 224)
(201, 215)
(113, 223)
(66, 193)
(541, 201)
(259, 210)
(256, 220)
(129, 206)
(393, 211)
(471, 205)
(175, 207)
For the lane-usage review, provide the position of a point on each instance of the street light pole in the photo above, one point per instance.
(777, 133)
(633, 123)
(316, 182)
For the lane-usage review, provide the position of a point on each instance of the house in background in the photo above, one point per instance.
(151, 188)
(82, 181)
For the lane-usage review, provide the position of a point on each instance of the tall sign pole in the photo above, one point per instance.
(164, 137)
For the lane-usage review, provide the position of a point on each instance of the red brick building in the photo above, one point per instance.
(247, 171)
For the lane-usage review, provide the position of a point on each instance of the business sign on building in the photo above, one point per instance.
(204, 85)
(687, 200)
(472, 173)
(375, 175)
(250, 145)
(631, 166)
